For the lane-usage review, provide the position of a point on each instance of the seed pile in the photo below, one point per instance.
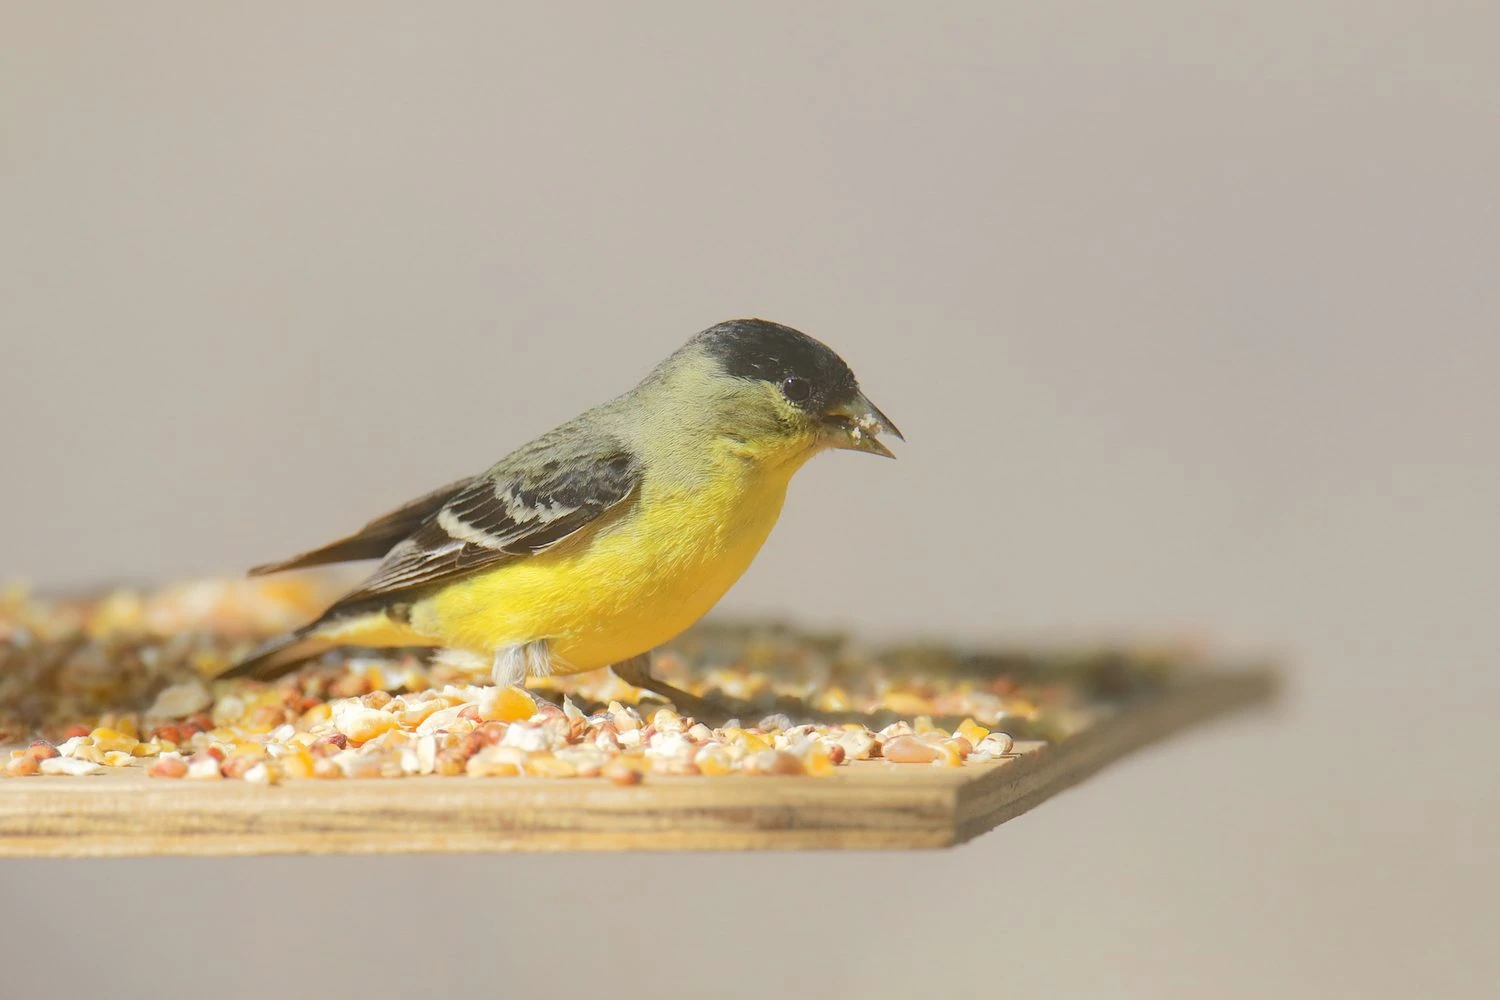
(125, 680)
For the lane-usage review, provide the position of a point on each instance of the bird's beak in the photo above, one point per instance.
(854, 424)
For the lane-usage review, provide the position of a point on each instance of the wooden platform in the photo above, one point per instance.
(864, 806)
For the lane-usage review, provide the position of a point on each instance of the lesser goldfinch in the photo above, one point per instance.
(610, 535)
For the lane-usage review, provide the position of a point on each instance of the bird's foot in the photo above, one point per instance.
(636, 672)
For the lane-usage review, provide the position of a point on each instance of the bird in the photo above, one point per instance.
(605, 538)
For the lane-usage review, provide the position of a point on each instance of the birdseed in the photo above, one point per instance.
(127, 679)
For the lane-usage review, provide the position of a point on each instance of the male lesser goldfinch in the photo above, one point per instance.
(604, 538)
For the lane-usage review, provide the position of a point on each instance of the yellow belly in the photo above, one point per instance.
(641, 576)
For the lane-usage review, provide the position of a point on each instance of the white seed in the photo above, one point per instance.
(360, 723)
(228, 710)
(996, 744)
(443, 718)
(203, 765)
(260, 774)
(178, 701)
(69, 748)
(69, 766)
(672, 745)
(858, 744)
(525, 736)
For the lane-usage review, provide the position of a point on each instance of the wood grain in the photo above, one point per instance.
(864, 806)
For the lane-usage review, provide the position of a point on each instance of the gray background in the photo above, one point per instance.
(1190, 314)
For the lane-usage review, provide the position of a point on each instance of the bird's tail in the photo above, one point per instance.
(281, 655)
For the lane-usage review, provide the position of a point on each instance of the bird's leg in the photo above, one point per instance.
(636, 672)
(513, 664)
(510, 666)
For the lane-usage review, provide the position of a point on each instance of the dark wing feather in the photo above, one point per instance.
(375, 539)
(525, 505)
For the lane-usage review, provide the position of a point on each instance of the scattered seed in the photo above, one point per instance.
(908, 749)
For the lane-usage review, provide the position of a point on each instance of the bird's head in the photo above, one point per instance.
(788, 390)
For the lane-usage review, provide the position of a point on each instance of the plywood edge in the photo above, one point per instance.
(131, 815)
(1004, 794)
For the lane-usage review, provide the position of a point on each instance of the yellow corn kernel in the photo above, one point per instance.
(971, 731)
(296, 764)
(714, 761)
(547, 766)
(509, 704)
(950, 754)
(753, 742)
(817, 762)
(319, 713)
(112, 739)
(90, 753)
(264, 773)
(479, 767)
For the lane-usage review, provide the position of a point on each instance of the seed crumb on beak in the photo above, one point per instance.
(857, 424)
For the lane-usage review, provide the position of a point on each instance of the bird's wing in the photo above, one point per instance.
(375, 539)
(523, 506)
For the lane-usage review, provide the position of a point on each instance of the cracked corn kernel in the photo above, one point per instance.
(548, 766)
(449, 763)
(506, 704)
(714, 760)
(621, 771)
(818, 762)
(263, 774)
(949, 753)
(751, 742)
(69, 765)
(971, 731)
(908, 750)
(111, 739)
(168, 767)
(203, 766)
(496, 762)
(773, 762)
(23, 766)
(296, 764)
(88, 752)
(360, 723)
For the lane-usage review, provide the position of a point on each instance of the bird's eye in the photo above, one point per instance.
(796, 389)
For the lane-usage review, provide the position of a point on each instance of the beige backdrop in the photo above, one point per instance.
(1190, 315)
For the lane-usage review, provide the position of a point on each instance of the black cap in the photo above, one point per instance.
(808, 372)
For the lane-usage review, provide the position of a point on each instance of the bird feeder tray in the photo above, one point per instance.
(111, 664)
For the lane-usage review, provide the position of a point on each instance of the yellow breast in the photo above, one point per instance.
(637, 578)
